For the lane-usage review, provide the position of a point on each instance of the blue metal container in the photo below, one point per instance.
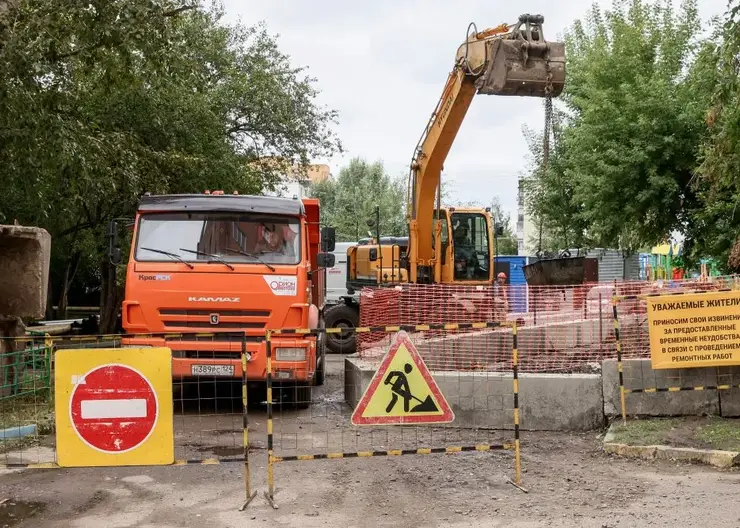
(513, 266)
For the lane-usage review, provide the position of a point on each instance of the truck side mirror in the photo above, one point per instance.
(114, 251)
(328, 239)
(499, 230)
(326, 260)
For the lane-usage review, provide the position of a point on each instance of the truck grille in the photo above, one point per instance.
(222, 337)
(214, 319)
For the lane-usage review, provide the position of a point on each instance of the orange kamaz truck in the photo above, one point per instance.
(229, 265)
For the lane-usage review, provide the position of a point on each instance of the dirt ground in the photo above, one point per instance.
(570, 482)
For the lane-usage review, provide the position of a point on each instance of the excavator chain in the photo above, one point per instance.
(524, 63)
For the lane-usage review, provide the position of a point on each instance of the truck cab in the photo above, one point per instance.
(232, 266)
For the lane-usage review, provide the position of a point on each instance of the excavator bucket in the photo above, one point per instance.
(524, 64)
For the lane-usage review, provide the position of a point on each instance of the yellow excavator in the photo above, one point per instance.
(455, 245)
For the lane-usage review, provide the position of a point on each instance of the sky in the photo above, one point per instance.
(383, 64)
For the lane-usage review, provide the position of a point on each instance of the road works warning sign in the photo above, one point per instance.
(402, 391)
(114, 407)
(694, 330)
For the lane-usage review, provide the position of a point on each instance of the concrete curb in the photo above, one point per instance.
(711, 457)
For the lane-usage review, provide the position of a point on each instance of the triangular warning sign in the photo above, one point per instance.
(402, 391)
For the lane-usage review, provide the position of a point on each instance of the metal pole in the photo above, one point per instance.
(601, 330)
(247, 482)
(270, 493)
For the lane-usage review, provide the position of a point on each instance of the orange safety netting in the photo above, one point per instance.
(560, 328)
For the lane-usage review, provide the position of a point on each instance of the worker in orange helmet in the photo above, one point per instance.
(501, 289)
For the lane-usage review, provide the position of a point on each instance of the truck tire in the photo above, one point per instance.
(302, 396)
(341, 316)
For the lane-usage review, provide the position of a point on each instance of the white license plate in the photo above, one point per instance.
(212, 370)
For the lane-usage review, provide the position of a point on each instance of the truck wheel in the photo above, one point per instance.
(302, 396)
(341, 316)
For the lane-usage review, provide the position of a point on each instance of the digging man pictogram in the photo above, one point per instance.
(400, 388)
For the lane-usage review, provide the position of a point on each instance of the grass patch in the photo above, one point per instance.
(699, 432)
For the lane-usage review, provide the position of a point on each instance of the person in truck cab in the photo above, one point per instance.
(276, 239)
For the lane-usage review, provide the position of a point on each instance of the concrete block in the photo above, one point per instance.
(548, 402)
(639, 374)
(561, 402)
(24, 261)
(487, 349)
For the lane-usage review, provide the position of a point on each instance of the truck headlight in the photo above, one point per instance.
(290, 354)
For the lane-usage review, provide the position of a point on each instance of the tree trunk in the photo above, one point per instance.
(50, 300)
(69, 274)
(111, 297)
(10, 327)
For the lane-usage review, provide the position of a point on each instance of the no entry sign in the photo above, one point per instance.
(114, 407)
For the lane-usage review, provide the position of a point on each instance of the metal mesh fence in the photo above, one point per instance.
(314, 420)
(208, 402)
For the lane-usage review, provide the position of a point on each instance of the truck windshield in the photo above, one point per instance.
(231, 237)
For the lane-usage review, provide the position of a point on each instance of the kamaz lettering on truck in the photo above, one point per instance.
(233, 266)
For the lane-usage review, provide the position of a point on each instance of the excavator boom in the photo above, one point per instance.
(512, 60)
(455, 245)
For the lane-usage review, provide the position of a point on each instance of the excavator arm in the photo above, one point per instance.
(505, 60)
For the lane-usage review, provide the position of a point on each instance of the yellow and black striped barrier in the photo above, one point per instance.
(398, 452)
(698, 388)
(272, 458)
(390, 328)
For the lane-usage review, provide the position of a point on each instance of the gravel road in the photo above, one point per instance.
(570, 482)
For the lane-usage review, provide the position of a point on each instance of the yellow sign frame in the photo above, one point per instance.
(155, 365)
(694, 330)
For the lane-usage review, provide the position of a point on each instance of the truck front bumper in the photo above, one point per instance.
(219, 359)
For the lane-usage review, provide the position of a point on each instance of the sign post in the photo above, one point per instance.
(114, 407)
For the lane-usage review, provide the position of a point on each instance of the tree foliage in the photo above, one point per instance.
(717, 223)
(101, 101)
(349, 201)
(633, 119)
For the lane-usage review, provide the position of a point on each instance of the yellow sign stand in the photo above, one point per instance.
(402, 391)
(694, 330)
(114, 407)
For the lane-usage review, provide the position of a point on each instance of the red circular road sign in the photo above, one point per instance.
(113, 408)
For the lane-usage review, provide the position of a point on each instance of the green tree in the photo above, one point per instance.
(506, 243)
(102, 101)
(624, 157)
(349, 201)
(716, 224)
